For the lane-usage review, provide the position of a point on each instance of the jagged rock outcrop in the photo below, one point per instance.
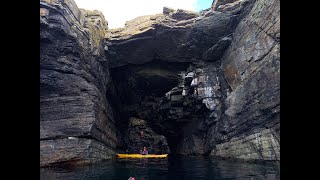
(141, 135)
(77, 123)
(190, 109)
(199, 83)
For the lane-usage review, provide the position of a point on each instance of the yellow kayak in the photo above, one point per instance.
(142, 156)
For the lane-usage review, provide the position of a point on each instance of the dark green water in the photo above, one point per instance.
(175, 168)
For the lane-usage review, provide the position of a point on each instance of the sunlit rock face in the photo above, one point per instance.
(195, 83)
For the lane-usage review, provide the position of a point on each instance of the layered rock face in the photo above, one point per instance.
(77, 124)
(194, 83)
(251, 65)
(190, 109)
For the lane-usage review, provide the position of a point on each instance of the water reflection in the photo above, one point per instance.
(174, 168)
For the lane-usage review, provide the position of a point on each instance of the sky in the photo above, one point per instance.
(117, 12)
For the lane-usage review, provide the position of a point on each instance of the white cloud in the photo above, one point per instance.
(117, 12)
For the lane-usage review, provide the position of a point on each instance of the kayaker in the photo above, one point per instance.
(144, 152)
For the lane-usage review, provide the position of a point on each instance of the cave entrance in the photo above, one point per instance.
(141, 88)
